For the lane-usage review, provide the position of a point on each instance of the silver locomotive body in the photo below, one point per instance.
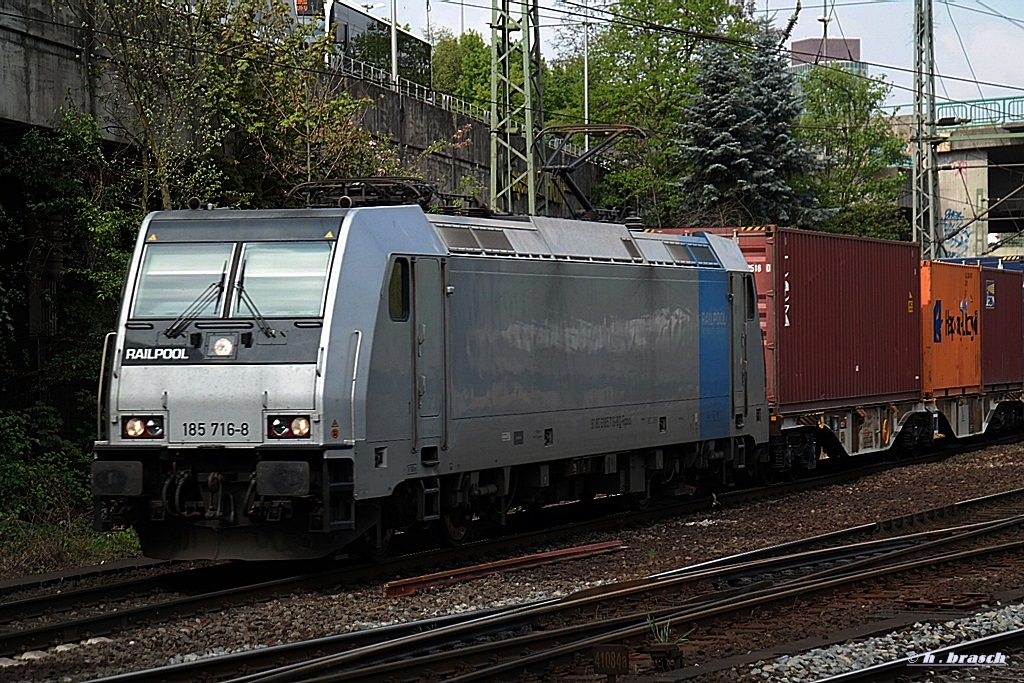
(287, 383)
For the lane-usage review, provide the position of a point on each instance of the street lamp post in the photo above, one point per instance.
(394, 44)
(586, 74)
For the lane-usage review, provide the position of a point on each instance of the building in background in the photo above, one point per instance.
(365, 38)
(981, 177)
(844, 52)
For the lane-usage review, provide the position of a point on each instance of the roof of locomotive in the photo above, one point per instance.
(522, 237)
(543, 237)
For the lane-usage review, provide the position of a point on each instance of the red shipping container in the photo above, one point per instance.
(1002, 329)
(840, 314)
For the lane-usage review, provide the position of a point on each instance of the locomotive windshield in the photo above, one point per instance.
(281, 279)
(175, 276)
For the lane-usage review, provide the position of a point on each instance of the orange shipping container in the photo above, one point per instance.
(951, 313)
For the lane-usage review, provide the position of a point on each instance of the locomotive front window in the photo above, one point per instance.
(281, 279)
(174, 277)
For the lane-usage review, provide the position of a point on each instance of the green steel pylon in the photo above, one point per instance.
(515, 103)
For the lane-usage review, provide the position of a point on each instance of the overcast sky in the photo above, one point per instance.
(993, 44)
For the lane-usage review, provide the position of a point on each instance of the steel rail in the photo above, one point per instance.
(102, 624)
(729, 567)
(639, 629)
(527, 619)
(182, 580)
(546, 647)
(406, 587)
(56, 579)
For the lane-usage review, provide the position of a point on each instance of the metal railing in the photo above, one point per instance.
(980, 113)
(418, 91)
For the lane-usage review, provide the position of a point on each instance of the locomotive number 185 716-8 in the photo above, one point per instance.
(215, 428)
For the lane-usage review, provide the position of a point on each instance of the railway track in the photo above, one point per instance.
(711, 589)
(61, 615)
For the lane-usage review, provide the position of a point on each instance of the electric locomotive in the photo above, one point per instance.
(295, 383)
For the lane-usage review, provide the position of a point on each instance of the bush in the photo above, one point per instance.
(45, 504)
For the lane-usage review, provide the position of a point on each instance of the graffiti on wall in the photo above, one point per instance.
(958, 244)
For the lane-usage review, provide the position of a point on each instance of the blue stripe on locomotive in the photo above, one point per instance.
(715, 357)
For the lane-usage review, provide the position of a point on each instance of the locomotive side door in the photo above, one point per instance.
(428, 352)
(743, 308)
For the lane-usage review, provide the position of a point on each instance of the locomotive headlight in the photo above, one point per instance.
(146, 427)
(223, 347)
(134, 428)
(155, 427)
(300, 426)
(279, 427)
(288, 427)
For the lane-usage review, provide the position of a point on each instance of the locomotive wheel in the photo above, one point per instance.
(377, 549)
(454, 526)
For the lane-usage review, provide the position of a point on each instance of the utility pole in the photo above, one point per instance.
(515, 105)
(926, 170)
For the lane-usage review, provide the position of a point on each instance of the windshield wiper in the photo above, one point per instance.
(192, 311)
(244, 297)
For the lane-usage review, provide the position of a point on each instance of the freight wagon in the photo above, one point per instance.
(866, 347)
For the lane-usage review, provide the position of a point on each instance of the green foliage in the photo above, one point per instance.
(643, 77)
(44, 497)
(883, 220)
(662, 632)
(737, 142)
(229, 101)
(43, 472)
(843, 121)
(160, 61)
(859, 180)
(61, 210)
(70, 239)
(292, 119)
(461, 66)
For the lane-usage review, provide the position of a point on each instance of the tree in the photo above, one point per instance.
(860, 180)
(230, 101)
(157, 60)
(291, 119)
(737, 141)
(461, 66)
(643, 75)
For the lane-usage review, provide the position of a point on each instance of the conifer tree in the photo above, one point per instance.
(737, 141)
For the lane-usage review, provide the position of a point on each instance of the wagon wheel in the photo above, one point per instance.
(454, 527)
(766, 475)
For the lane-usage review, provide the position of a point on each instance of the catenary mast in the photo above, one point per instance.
(925, 167)
(515, 104)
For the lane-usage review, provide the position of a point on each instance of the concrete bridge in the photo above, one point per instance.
(981, 177)
(43, 67)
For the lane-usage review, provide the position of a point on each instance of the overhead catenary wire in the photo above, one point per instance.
(617, 19)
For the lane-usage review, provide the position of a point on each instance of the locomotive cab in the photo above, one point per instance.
(213, 413)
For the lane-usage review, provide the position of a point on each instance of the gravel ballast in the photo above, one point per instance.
(654, 548)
